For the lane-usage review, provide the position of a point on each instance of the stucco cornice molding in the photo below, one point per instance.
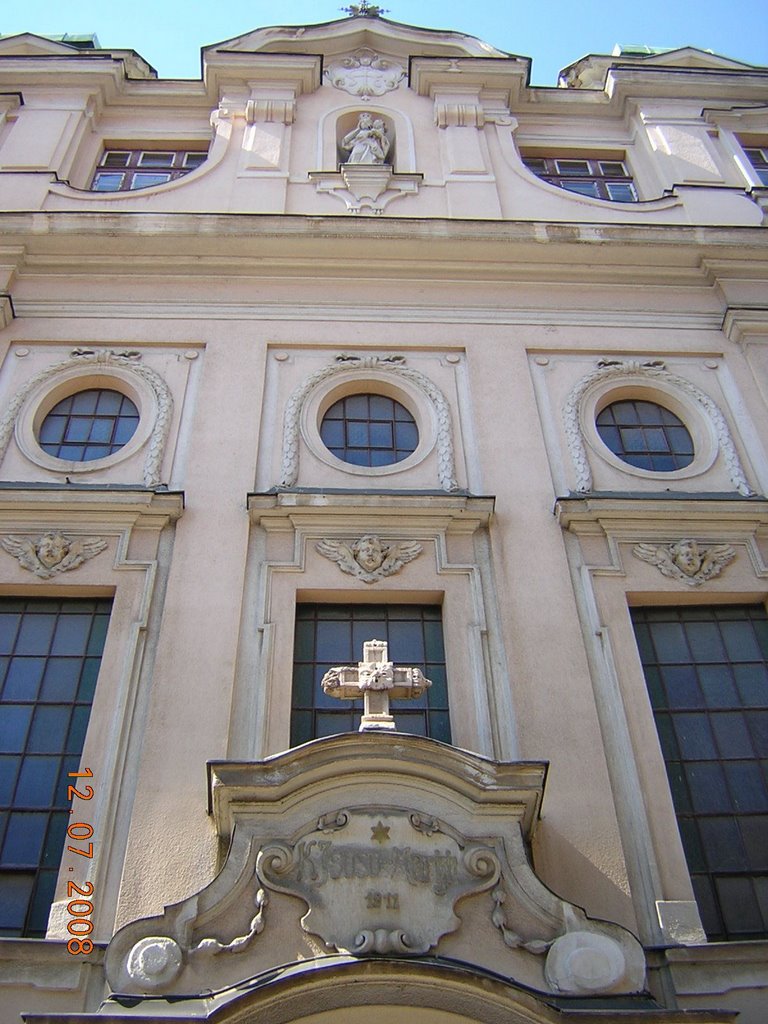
(633, 518)
(301, 72)
(429, 75)
(289, 226)
(337, 513)
(22, 508)
(296, 310)
(746, 325)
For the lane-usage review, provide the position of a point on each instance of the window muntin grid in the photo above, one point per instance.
(89, 425)
(758, 157)
(599, 179)
(50, 652)
(369, 430)
(645, 435)
(707, 674)
(140, 168)
(329, 634)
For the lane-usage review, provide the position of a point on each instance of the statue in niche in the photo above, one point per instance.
(368, 142)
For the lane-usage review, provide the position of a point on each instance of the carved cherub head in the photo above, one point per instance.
(52, 548)
(686, 556)
(369, 552)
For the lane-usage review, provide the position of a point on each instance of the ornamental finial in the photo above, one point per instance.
(364, 10)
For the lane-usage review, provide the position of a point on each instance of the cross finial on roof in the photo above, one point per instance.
(364, 10)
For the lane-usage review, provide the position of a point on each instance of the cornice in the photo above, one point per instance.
(234, 787)
(154, 509)
(352, 313)
(746, 324)
(636, 515)
(288, 511)
(272, 245)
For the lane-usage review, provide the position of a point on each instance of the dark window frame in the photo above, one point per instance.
(645, 435)
(596, 177)
(74, 433)
(47, 684)
(758, 158)
(127, 173)
(706, 668)
(369, 429)
(314, 715)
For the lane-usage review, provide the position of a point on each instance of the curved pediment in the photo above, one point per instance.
(351, 33)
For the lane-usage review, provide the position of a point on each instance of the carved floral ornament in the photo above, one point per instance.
(651, 372)
(393, 365)
(686, 560)
(93, 361)
(365, 73)
(51, 553)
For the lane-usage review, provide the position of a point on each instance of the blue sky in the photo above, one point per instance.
(169, 33)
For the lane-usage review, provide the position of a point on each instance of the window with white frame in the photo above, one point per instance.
(124, 170)
(758, 157)
(594, 177)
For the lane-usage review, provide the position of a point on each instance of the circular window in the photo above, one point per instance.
(645, 435)
(369, 430)
(89, 425)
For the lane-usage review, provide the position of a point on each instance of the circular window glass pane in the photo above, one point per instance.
(369, 430)
(89, 425)
(646, 435)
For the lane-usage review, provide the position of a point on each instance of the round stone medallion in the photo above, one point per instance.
(584, 963)
(154, 961)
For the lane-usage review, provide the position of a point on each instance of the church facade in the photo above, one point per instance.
(384, 533)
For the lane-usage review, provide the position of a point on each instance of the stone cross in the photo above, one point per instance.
(378, 681)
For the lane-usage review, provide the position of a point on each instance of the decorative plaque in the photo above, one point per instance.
(381, 880)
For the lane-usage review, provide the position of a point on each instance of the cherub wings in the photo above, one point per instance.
(398, 555)
(395, 557)
(77, 551)
(80, 551)
(713, 561)
(341, 553)
(23, 549)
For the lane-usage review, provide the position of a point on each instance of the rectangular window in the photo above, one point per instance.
(141, 168)
(600, 179)
(758, 157)
(329, 634)
(707, 674)
(50, 652)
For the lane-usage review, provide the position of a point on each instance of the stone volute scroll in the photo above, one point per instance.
(377, 681)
